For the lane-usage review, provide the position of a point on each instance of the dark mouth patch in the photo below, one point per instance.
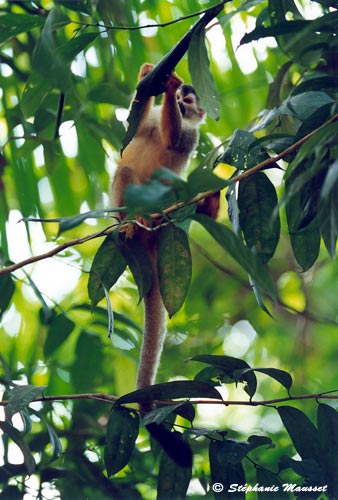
(182, 108)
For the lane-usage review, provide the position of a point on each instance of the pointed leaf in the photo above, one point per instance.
(107, 267)
(201, 77)
(122, 431)
(171, 390)
(238, 251)
(259, 219)
(303, 433)
(230, 366)
(46, 58)
(174, 267)
(306, 241)
(281, 376)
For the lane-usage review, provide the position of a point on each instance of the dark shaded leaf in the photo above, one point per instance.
(283, 377)
(107, 267)
(225, 476)
(7, 289)
(327, 419)
(139, 263)
(230, 366)
(171, 390)
(239, 152)
(15, 435)
(174, 267)
(303, 433)
(173, 480)
(122, 431)
(270, 485)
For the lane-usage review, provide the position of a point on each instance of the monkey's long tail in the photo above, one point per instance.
(154, 329)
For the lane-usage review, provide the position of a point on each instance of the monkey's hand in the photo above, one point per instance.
(144, 70)
(173, 83)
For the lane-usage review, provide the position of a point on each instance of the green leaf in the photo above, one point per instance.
(20, 396)
(173, 480)
(74, 46)
(59, 330)
(303, 433)
(305, 242)
(328, 207)
(238, 251)
(202, 179)
(174, 267)
(240, 153)
(47, 60)
(258, 215)
(122, 431)
(327, 419)
(201, 77)
(139, 263)
(7, 289)
(15, 435)
(13, 24)
(107, 267)
(171, 390)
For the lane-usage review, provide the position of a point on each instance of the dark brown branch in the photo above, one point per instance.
(107, 398)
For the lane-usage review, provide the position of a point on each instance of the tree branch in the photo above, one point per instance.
(78, 241)
(107, 398)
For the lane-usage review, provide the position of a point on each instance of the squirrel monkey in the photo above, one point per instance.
(166, 137)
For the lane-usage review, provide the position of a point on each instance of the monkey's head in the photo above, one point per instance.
(189, 103)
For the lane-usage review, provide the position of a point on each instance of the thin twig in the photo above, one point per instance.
(150, 25)
(107, 398)
(169, 210)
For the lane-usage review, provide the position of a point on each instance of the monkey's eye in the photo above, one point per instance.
(188, 100)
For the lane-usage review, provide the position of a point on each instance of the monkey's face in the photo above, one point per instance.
(188, 104)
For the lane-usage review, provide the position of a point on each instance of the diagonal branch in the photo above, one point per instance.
(78, 241)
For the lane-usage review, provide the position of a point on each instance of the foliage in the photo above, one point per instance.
(67, 72)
